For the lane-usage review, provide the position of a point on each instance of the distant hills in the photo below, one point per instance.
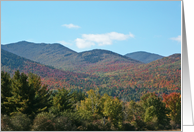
(61, 57)
(144, 57)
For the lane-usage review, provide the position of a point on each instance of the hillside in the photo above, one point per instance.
(165, 72)
(61, 57)
(49, 54)
(160, 76)
(144, 57)
(102, 61)
(54, 78)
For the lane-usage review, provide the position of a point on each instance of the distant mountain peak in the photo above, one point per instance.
(144, 57)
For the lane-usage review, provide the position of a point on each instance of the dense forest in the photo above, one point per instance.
(29, 105)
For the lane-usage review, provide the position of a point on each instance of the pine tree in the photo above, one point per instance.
(40, 95)
(28, 96)
(5, 92)
(63, 101)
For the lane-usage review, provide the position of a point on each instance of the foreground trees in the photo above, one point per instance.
(26, 104)
(62, 101)
(102, 107)
(28, 96)
(173, 102)
(5, 93)
(155, 111)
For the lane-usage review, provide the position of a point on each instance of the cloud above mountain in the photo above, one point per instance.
(89, 40)
(177, 38)
(70, 25)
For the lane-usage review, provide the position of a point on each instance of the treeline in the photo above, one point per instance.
(128, 94)
(27, 105)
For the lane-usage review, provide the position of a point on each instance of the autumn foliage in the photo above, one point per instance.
(173, 102)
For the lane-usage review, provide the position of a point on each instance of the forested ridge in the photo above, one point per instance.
(26, 104)
(120, 79)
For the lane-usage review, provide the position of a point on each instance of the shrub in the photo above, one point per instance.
(62, 123)
(74, 117)
(97, 125)
(44, 122)
(6, 123)
(18, 122)
(128, 127)
(139, 125)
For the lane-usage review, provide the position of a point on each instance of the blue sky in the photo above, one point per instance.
(120, 26)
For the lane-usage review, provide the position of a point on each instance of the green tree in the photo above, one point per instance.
(5, 92)
(40, 95)
(113, 109)
(135, 113)
(91, 108)
(155, 111)
(28, 95)
(63, 101)
(78, 95)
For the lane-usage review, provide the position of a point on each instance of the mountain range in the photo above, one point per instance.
(61, 57)
(115, 74)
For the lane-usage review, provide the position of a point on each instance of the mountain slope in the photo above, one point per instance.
(101, 61)
(161, 73)
(144, 57)
(49, 54)
(62, 57)
(54, 78)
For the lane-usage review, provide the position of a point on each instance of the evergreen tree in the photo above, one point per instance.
(78, 95)
(5, 92)
(40, 95)
(28, 96)
(63, 101)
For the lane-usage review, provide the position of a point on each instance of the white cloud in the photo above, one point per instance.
(89, 40)
(81, 43)
(64, 43)
(177, 38)
(70, 26)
